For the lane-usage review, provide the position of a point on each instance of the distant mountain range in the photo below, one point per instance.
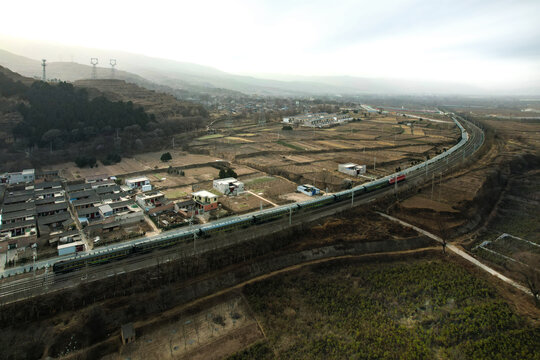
(149, 71)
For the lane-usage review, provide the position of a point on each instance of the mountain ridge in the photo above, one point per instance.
(200, 78)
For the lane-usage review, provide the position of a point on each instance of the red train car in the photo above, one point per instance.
(399, 178)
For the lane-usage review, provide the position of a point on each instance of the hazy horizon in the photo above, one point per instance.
(486, 44)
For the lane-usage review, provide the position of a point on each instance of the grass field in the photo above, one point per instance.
(212, 136)
(418, 309)
(258, 180)
(292, 146)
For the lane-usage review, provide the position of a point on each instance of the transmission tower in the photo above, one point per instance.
(113, 70)
(43, 77)
(94, 62)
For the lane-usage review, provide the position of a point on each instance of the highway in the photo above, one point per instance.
(46, 281)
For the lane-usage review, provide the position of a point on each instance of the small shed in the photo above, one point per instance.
(106, 210)
(128, 333)
(229, 186)
(352, 169)
(308, 190)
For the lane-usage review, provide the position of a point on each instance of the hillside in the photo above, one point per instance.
(72, 71)
(9, 117)
(97, 117)
(165, 107)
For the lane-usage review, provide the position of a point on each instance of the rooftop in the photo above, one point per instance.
(91, 200)
(226, 180)
(46, 220)
(204, 193)
(17, 214)
(18, 207)
(137, 179)
(18, 224)
(105, 209)
(47, 185)
(52, 207)
(78, 187)
(75, 243)
(86, 211)
(97, 177)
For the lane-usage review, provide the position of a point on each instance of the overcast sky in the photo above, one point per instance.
(485, 42)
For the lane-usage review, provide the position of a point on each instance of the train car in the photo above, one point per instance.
(227, 226)
(398, 178)
(342, 195)
(267, 216)
(76, 263)
(316, 203)
(376, 185)
(150, 245)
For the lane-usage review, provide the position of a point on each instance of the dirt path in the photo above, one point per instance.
(155, 230)
(463, 254)
(260, 197)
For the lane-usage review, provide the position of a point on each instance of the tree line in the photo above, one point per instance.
(61, 114)
(9, 88)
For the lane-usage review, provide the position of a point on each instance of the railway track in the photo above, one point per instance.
(46, 282)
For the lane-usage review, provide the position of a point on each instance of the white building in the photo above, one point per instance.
(307, 189)
(352, 169)
(25, 176)
(229, 186)
(317, 120)
(141, 182)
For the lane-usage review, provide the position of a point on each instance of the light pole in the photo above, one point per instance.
(290, 216)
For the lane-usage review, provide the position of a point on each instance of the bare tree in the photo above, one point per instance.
(526, 265)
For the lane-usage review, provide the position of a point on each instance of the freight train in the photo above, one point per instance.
(242, 221)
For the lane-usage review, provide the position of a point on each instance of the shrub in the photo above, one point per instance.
(166, 157)
(226, 173)
(83, 161)
(111, 159)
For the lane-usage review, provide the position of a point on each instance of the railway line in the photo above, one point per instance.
(231, 231)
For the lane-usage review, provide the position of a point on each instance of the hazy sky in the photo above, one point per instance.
(486, 42)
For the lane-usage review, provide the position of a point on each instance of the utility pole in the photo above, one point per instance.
(34, 262)
(432, 184)
(290, 216)
(440, 185)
